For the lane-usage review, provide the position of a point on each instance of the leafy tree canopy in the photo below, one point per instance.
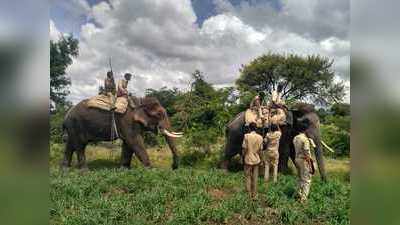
(309, 78)
(61, 53)
(340, 109)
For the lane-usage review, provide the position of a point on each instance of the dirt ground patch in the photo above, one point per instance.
(217, 194)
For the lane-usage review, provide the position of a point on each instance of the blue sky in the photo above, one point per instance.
(164, 41)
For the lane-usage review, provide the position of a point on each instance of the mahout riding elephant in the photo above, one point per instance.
(235, 133)
(83, 124)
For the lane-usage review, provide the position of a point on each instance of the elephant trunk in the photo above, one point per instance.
(170, 138)
(320, 158)
(174, 151)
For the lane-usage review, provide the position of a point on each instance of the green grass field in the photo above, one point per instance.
(196, 193)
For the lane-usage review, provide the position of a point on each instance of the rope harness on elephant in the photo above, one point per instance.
(114, 130)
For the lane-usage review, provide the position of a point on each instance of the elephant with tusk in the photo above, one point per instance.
(84, 124)
(235, 132)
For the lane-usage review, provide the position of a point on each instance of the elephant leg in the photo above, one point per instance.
(66, 162)
(126, 157)
(82, 158)
(292, 155)
(284, 158)
(226, 158)
(321, 162)
(139, 150)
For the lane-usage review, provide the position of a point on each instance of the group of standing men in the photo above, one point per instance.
(261, 144)
(114, 91)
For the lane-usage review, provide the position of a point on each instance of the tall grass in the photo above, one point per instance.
(196, 194)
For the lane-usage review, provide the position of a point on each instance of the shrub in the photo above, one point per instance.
(56, 121)
(336, 138)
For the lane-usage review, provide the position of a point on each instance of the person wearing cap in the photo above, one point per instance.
(251, 148)
(109, 88)
(122, 90)
(302, 145)
(271, 152)
(255, 114)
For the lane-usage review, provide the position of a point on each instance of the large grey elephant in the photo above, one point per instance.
(84, 124)
(235, 134)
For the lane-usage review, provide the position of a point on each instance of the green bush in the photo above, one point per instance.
(336, 138)
(56, 121)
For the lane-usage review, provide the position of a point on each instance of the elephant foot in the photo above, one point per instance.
(175, 163)
(148, 166)
(126, 167)
(224, 165)
(64, 169)
(83, 169)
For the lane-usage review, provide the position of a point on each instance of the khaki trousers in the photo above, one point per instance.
(271, 161)
(304, 178)
(251, 177)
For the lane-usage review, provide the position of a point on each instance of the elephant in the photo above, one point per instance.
(83, 124)
(235, 132)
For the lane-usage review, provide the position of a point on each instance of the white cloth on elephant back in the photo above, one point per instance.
(104, 102)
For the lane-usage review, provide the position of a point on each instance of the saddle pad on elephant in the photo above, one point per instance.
(104, 102)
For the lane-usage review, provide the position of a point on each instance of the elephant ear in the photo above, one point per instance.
(141, 117)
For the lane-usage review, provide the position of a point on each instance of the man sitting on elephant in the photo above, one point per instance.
(109, 88)
(256, 113)
(122, 90)
(277, 107)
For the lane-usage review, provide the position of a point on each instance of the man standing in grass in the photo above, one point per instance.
(302, 145)
(252, 145)
(271, 153)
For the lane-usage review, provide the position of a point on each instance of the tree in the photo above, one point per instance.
(167, 98)
(340, 109)
(61, 54)
(308, 78)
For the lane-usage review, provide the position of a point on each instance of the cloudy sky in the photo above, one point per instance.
(163, 41)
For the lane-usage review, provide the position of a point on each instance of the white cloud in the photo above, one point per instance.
(160, 43)
(54, 33)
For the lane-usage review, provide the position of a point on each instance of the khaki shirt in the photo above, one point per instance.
(272, 140)
(122, 87)
(252, 145)
(302, 146)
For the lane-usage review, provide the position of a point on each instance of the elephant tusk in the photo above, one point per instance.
(176, 133)
(166, 132)
(327, 147)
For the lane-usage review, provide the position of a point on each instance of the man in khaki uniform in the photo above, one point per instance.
(122, 90)
(271, 154)
(252, 145)
(303, 159)
(257, 113)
